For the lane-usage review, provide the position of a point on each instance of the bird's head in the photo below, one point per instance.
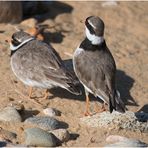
(94, 29)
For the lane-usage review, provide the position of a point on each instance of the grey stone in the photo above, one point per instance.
(39, 137)
(62, 134)
(120, 141)
(46, 123)
(10, 114)
(3, 143)
(129, 120)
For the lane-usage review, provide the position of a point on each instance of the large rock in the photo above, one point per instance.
(38, 137)
(10, 114)
(46, 123)
(10, 11)
(129, 120)
(120, 141)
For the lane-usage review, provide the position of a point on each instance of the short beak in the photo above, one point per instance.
(81, 21)
(8, 40)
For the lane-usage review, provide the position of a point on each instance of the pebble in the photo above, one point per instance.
(10, 114)
(46, 123)
(109, 3)
(39, 137)
(120, 141)
(7, 135)
(3, 143)
(129, 120)
(49, 22)
(31, 22)
(62, 134)
(52, 112)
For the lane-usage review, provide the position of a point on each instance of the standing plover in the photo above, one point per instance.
(37, 64)
(95, 67)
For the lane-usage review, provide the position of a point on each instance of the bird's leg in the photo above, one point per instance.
(30, 92)
(103, 108)
(87, 112)
(30, 95)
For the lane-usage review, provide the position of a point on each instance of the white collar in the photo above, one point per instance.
(16, 47)
(95, 40)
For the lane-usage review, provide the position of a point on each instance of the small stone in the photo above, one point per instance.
(62, 134)
(109, 3)
(120, 141)
(10, 114)
(31, 22)
(51, 112)
(46, 123)
(115, 138)
(7, 135)
(3, 143)
(39, 137)
(50, 23)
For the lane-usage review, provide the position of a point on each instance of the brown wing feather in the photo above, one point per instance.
(97, 72)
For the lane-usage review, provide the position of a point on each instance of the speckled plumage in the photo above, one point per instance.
(95, 67)
(38, 65)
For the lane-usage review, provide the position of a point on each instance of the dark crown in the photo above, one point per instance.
(95, 25)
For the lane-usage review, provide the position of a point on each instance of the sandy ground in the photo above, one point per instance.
(126, 36)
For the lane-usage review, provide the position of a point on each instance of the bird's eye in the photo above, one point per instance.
(15, 42)
(91, 29)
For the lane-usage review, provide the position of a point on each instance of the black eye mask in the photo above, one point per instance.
(89, 27)
(14, 41)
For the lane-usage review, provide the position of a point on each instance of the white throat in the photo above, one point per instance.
(95, 40)
(16, 47)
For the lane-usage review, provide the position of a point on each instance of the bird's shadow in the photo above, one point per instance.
(53, 37)
(124, 85)
(28, 113)
(144, 109)
(42, 10)
(142, 113)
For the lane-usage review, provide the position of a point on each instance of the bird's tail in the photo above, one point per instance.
(116, 103)
(73, 83)
(74, 89)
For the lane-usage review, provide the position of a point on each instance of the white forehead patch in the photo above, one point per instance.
(95, 40)
(91, 24)
(12, 47)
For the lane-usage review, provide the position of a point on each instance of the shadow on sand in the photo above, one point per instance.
(42, 10)
(124, 84)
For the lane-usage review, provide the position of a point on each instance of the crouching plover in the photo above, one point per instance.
(37, 64)
(95, 67)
